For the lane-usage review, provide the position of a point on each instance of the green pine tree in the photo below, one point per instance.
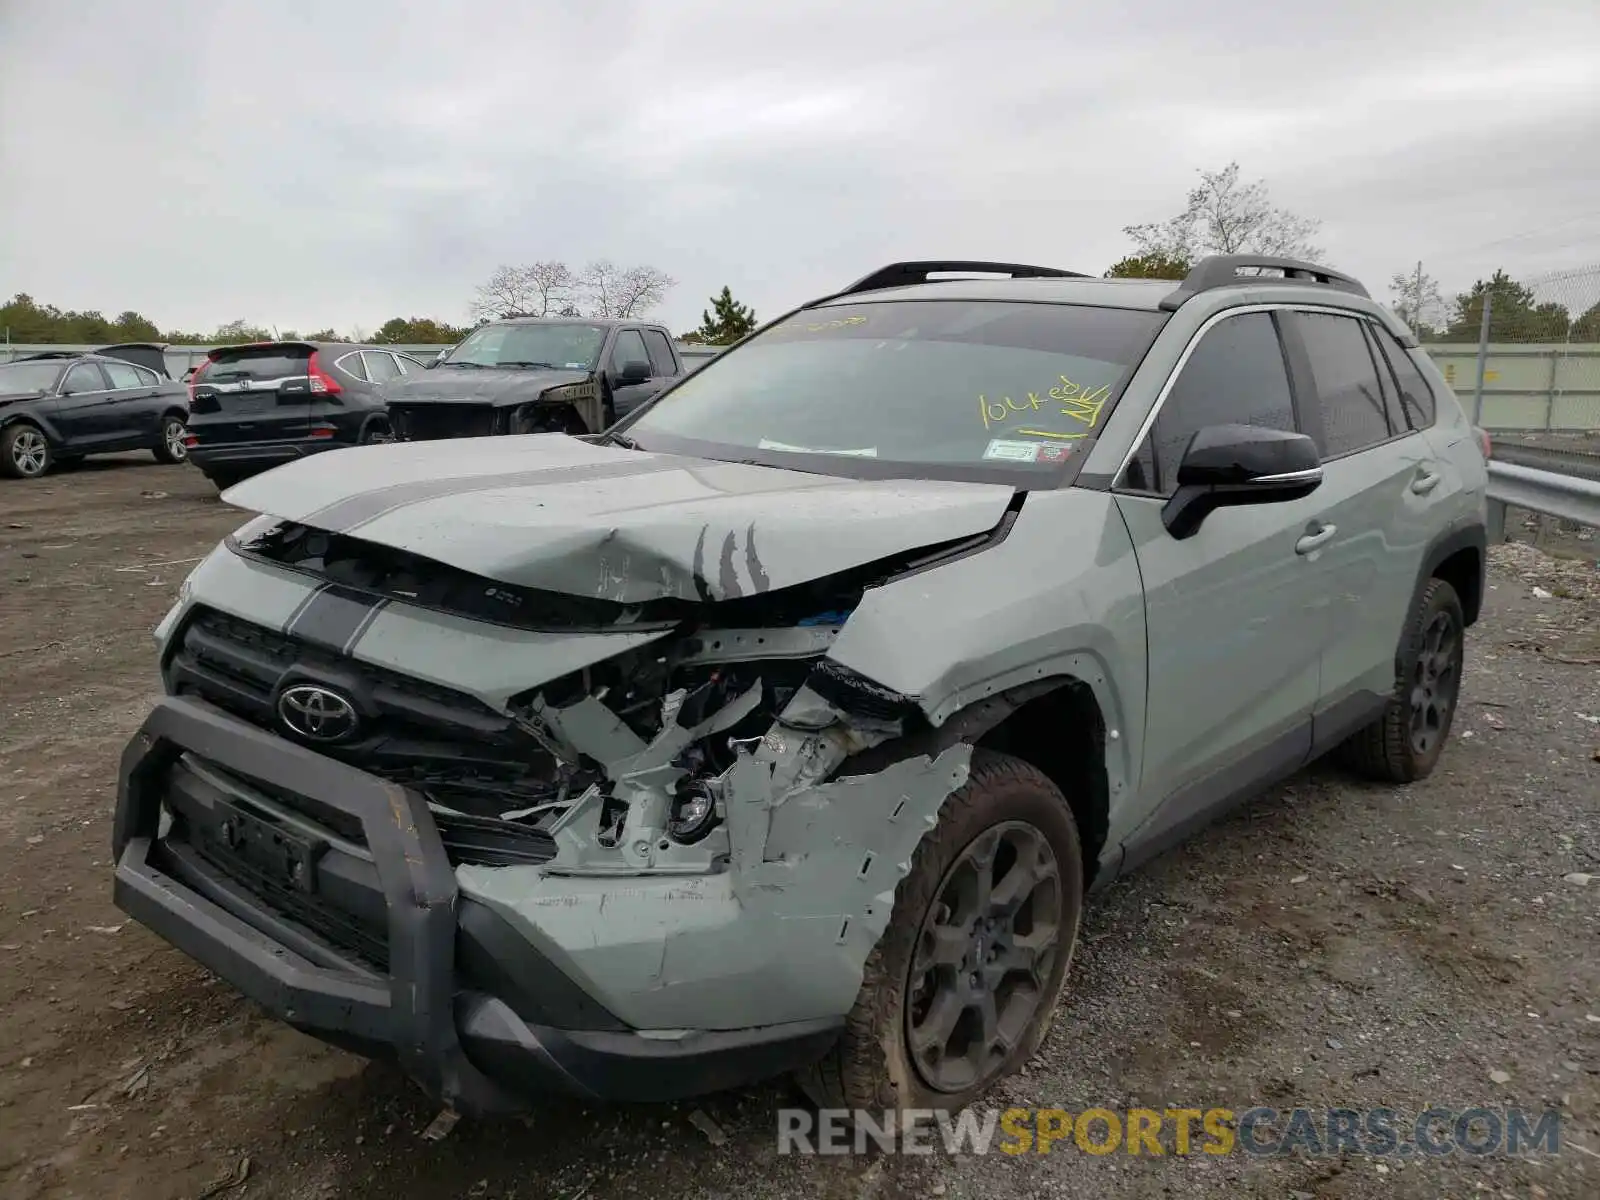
(727, 322)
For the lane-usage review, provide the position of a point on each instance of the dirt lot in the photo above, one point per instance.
(1333, 944)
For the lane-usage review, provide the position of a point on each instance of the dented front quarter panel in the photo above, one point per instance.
(1059, 597)
(782, 934)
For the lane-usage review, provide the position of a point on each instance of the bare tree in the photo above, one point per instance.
(551, 284)
(613, 291)
(1224, 216)
(1417, 300)
(509, 291)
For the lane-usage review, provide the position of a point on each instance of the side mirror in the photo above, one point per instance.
(632, 372)
(437, 359)
(1227, 465)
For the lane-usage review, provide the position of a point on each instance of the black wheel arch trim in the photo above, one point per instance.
(1466, 534)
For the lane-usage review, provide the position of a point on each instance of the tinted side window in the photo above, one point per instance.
(1348, 393)
(1234, 376)
(1415, 395)
(84, 377)
(381, 367)
(1391, 394)
(661, 362)
(121, 375)
(351, 364)
(629, 348)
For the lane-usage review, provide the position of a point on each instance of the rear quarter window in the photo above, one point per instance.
(1416, 397)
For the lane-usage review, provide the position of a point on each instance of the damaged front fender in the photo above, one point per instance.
(781, 934)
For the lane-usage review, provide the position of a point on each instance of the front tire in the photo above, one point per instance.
(24, 451)
(170, 449)
(1404, 744)
(960, 990)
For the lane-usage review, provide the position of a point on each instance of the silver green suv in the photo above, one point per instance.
(786, 725)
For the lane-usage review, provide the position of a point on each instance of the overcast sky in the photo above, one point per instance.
(339, 163)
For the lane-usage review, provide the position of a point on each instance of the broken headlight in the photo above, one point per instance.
(693, 814)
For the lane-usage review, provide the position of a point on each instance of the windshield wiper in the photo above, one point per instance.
(514, 362)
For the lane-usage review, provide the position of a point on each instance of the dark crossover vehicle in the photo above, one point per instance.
(254, 406)
(58, 407)
(536, 375)
(787, 724)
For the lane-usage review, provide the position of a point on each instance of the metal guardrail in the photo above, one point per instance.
(1562, 460)
(1568, 496)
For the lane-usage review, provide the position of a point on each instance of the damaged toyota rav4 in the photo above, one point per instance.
(785, 726)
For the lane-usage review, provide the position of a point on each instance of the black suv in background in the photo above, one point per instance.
(59, 406)
(254, 406)
(536, 375)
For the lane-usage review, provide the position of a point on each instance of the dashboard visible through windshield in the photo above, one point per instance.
(545, 346)
(930, 388)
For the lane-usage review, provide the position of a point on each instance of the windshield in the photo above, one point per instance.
(573, 347)
(30, 376)
(949, 388)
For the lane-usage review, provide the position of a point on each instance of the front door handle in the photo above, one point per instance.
(1425, 482)
(1315, 539)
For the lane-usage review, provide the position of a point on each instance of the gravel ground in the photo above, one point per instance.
(1333, 944)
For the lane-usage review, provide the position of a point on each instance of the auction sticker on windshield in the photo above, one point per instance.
(1013, 451)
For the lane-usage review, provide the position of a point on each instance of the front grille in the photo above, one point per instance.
(429, 422)
(458, 751)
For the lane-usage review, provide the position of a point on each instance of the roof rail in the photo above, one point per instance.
(905, 274)
(1222, 270)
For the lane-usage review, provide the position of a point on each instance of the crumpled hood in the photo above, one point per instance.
(549, 511)
(477, 385)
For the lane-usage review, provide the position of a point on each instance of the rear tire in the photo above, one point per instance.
(1404, 744)
(24, 451)
(921, 1033)
(170, 449)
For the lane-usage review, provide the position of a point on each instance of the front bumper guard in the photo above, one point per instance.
(417, 1014)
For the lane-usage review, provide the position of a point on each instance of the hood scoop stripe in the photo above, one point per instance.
(346, 515)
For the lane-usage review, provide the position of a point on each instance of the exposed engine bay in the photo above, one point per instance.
(624, 763)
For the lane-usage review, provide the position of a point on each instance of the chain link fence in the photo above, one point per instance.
(1524, 355)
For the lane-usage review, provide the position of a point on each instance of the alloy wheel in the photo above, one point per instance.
(1435, 682)
(29, 452)
(984, 953)
(175, 434)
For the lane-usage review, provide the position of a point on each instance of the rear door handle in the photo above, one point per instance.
(1425, 482)
(1316, 539)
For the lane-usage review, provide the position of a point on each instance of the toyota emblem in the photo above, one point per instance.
(317, 714)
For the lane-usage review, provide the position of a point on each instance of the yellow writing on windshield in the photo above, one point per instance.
(1075, 401)
(1079, 402)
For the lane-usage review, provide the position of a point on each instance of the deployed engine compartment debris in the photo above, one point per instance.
(625, 765)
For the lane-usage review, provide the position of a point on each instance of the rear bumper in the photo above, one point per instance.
(259, 455)
(466, 1046)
